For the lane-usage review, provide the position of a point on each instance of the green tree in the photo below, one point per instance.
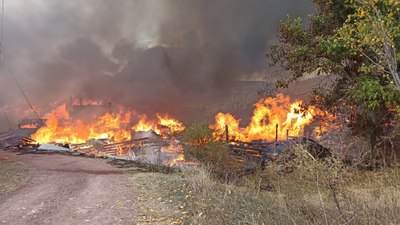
(357, 42)
(373, 31)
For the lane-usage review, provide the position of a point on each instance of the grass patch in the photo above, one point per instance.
(12, 175)
(314, 192)
(160, 198)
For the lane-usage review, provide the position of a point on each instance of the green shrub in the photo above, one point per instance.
(215, 155)
(198, 134)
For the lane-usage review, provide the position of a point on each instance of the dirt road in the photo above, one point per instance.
(69, 190)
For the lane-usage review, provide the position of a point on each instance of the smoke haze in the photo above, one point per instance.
(151, 55)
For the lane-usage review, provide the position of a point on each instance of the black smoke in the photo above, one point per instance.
(154, 56)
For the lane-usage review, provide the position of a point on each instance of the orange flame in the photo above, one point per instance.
(222, 120)
(177, 149)
(173, 125)
(60, 128)
(144, 125)
(327, 121)
(267, 114)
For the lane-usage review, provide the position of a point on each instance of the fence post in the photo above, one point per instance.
(226, 133)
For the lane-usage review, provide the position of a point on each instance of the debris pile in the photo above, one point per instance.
(267, 151)
(150, 148)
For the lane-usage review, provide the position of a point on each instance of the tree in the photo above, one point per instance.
(374, 32)
(357, 42)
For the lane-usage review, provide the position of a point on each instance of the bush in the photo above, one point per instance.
(215, 155)
(198, 134)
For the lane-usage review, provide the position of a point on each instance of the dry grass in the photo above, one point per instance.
(160, 198)
(314, 193)
(12, 175)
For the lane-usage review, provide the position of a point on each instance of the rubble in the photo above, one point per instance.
(150, 134)
(267, 151)
(150, 148)
(52, 147)
(17, 138)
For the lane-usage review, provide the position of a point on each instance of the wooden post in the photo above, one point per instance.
(226, 133)
(287, 134)
(276, 134)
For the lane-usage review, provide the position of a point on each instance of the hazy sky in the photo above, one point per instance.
(148, 54)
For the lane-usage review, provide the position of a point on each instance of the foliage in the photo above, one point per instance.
(213, 154)
(314, 193)
(357, 42)
(313, 49)
(373, 95)
(373, 32)
(198, 134)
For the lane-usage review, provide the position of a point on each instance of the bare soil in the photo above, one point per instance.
(69, 190)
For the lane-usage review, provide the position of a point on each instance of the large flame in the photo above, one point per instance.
(144, 125)
(269, 115)
(62, 128)
(173, 125)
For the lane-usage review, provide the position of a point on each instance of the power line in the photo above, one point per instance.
(23, 93)
(9, 68)
(6, 116)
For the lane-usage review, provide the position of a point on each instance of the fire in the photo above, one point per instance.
(61, 128)
(144, 125)
(173, 125)
(223, 120)
(327, 121)
(267, 115)
(177, 151)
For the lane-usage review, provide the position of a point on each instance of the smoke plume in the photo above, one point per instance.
(151, 55)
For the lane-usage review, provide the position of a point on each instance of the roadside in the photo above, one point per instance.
(161, 197)
(313, 193)
(76, 190)
(58, 189)
(13, 175)
(66, 190)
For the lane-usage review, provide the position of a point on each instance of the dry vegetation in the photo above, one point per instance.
(12, 175)
(315, 192)
(160, 198)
